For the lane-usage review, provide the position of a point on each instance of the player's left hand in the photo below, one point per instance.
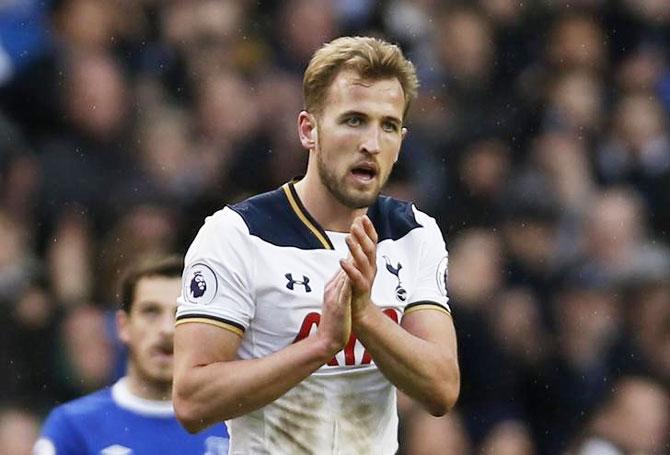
(361, 264)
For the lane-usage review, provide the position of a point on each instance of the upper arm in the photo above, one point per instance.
(199, 344)
(217, 283)
(430, 281)
(428, 315)
(435, 326)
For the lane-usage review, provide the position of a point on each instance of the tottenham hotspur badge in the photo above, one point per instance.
(200, 284)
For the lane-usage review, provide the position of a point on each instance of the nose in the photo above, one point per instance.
(372, 141)
(167, 324)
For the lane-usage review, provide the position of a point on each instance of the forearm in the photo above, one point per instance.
(424, 370)
(207, 394)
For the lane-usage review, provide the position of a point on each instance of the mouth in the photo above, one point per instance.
(164, 351)
(365, 172)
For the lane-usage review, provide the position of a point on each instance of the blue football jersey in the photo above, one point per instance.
(112, 421)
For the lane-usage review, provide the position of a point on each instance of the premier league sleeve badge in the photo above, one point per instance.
(200, 284)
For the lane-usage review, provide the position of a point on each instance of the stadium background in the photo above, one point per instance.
(539, 141)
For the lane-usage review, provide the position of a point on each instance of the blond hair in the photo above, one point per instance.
(371, 58)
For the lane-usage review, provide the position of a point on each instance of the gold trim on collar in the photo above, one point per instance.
(303, 217)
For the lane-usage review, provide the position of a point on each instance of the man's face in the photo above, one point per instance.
(359, 133)
(149, 328)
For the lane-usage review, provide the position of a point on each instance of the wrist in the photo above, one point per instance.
(326, 348)
(361, 315)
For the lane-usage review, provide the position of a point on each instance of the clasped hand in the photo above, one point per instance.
(347, 294)
(360, 265)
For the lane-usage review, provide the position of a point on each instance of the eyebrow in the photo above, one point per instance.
(395, 120)
(150, 303)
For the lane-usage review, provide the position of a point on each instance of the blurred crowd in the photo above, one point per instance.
(540, 141)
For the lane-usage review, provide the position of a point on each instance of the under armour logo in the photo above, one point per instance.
(291, 282)
(400, 292)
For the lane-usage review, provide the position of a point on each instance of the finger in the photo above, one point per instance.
(333, 280)
(340, 283)
(345, 290)
(335, 291)
(358, 280)
(332, 287)
(370, 229)
(365, 241)
(358, 256)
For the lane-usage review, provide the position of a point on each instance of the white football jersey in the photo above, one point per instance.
(259, 269)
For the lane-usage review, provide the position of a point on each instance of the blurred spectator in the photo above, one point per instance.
(530, 227)
(18, 264)
(563, 160)
(587, 320)
(634, 419)
(92, 152)
(143, 230)
(483, 174)
(69, 260)
(19, 429)
(575, 104)
(303, 26)
(615, 230)
(86, 357)
(576, 41)
(94, 25)
(19, 174)
(27, 331)
(508, 438)
(647, 286)
(639, 147)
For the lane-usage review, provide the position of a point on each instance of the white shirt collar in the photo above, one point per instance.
(123, 397)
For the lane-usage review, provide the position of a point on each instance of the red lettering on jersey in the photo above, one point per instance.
(313, 319)
(349, 357)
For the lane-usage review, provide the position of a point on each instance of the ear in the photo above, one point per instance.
(403, 133)
(307, 130)
(122, 323)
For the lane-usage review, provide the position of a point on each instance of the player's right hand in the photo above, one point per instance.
(335, 324)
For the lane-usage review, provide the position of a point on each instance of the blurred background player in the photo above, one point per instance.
(135, 415)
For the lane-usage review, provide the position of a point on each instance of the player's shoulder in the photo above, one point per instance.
(261, 207)
(394, 218)
(84, 408)
(223, 228)
(248, 215)
(279, 218)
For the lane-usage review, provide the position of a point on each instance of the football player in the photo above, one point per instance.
(302, 309)
(135, 415)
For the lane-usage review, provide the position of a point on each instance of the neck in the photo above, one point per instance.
(149, 390)
(330, 213)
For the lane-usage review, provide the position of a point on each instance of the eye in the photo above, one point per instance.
(354, 121)
(390, 127)
(150, 310)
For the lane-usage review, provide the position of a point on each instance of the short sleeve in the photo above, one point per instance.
(58, 436)
(432, 270)
(216, 283)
